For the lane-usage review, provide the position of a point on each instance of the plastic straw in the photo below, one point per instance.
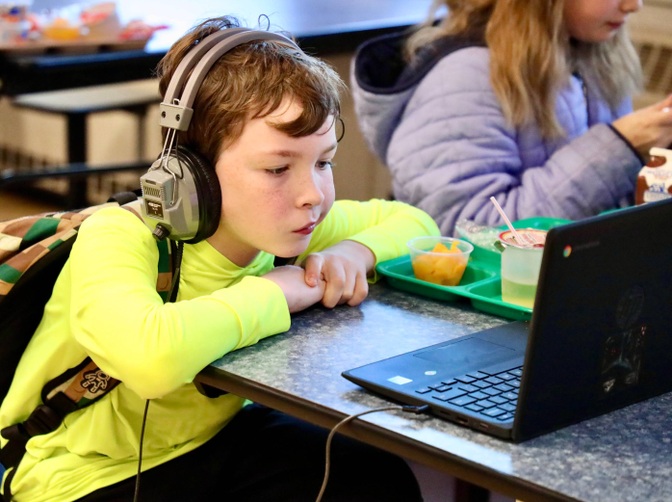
(506, 219)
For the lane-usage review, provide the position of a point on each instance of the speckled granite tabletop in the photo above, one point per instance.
(623, 456)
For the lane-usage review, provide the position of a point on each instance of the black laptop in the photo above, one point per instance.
(600, 337)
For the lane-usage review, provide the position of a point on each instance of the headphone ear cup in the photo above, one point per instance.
(208, 191)
(182, 196)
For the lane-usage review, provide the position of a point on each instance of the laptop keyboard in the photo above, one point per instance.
(492, 395)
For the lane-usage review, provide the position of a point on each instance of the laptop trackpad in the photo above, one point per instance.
(467, 355)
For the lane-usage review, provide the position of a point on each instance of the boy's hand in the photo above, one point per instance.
(344, 268)
(298, 293)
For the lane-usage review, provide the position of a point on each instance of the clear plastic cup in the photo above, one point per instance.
(439, 260)
(520, 266)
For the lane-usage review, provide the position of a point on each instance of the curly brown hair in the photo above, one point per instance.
(251, 81)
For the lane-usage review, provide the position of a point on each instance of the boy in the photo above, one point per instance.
(264, 123)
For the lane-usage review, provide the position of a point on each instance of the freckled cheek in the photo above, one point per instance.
(241, 198)
(329, 192)
(275, 203)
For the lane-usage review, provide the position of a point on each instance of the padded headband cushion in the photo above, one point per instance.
(186, 80)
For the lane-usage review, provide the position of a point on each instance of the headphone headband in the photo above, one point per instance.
(176, 112)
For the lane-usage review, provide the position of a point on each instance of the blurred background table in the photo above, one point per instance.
(322, 27)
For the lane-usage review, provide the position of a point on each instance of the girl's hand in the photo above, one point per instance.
(298, 292)
(344, 268)
(647, 127)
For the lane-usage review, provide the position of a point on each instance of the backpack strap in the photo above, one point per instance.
(170, 252)
(76, 388)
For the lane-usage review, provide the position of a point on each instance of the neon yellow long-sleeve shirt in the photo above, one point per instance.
(105, 305)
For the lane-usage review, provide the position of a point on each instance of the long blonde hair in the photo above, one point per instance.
(531, 56)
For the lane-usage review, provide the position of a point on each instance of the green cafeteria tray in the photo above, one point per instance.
(481, 283)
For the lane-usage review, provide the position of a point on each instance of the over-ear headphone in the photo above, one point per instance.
(181, 192)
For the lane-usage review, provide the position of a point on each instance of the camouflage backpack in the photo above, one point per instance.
(33, 250)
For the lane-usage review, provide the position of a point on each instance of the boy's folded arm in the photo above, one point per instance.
(122, 323)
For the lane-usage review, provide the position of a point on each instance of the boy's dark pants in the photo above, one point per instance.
(265, 455)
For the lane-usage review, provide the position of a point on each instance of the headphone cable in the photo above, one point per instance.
(327, 465)
(176, 255)
(136, 494)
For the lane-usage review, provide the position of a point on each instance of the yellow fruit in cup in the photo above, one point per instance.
(441, 265)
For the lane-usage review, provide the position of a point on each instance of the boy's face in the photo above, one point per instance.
(275, 188)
